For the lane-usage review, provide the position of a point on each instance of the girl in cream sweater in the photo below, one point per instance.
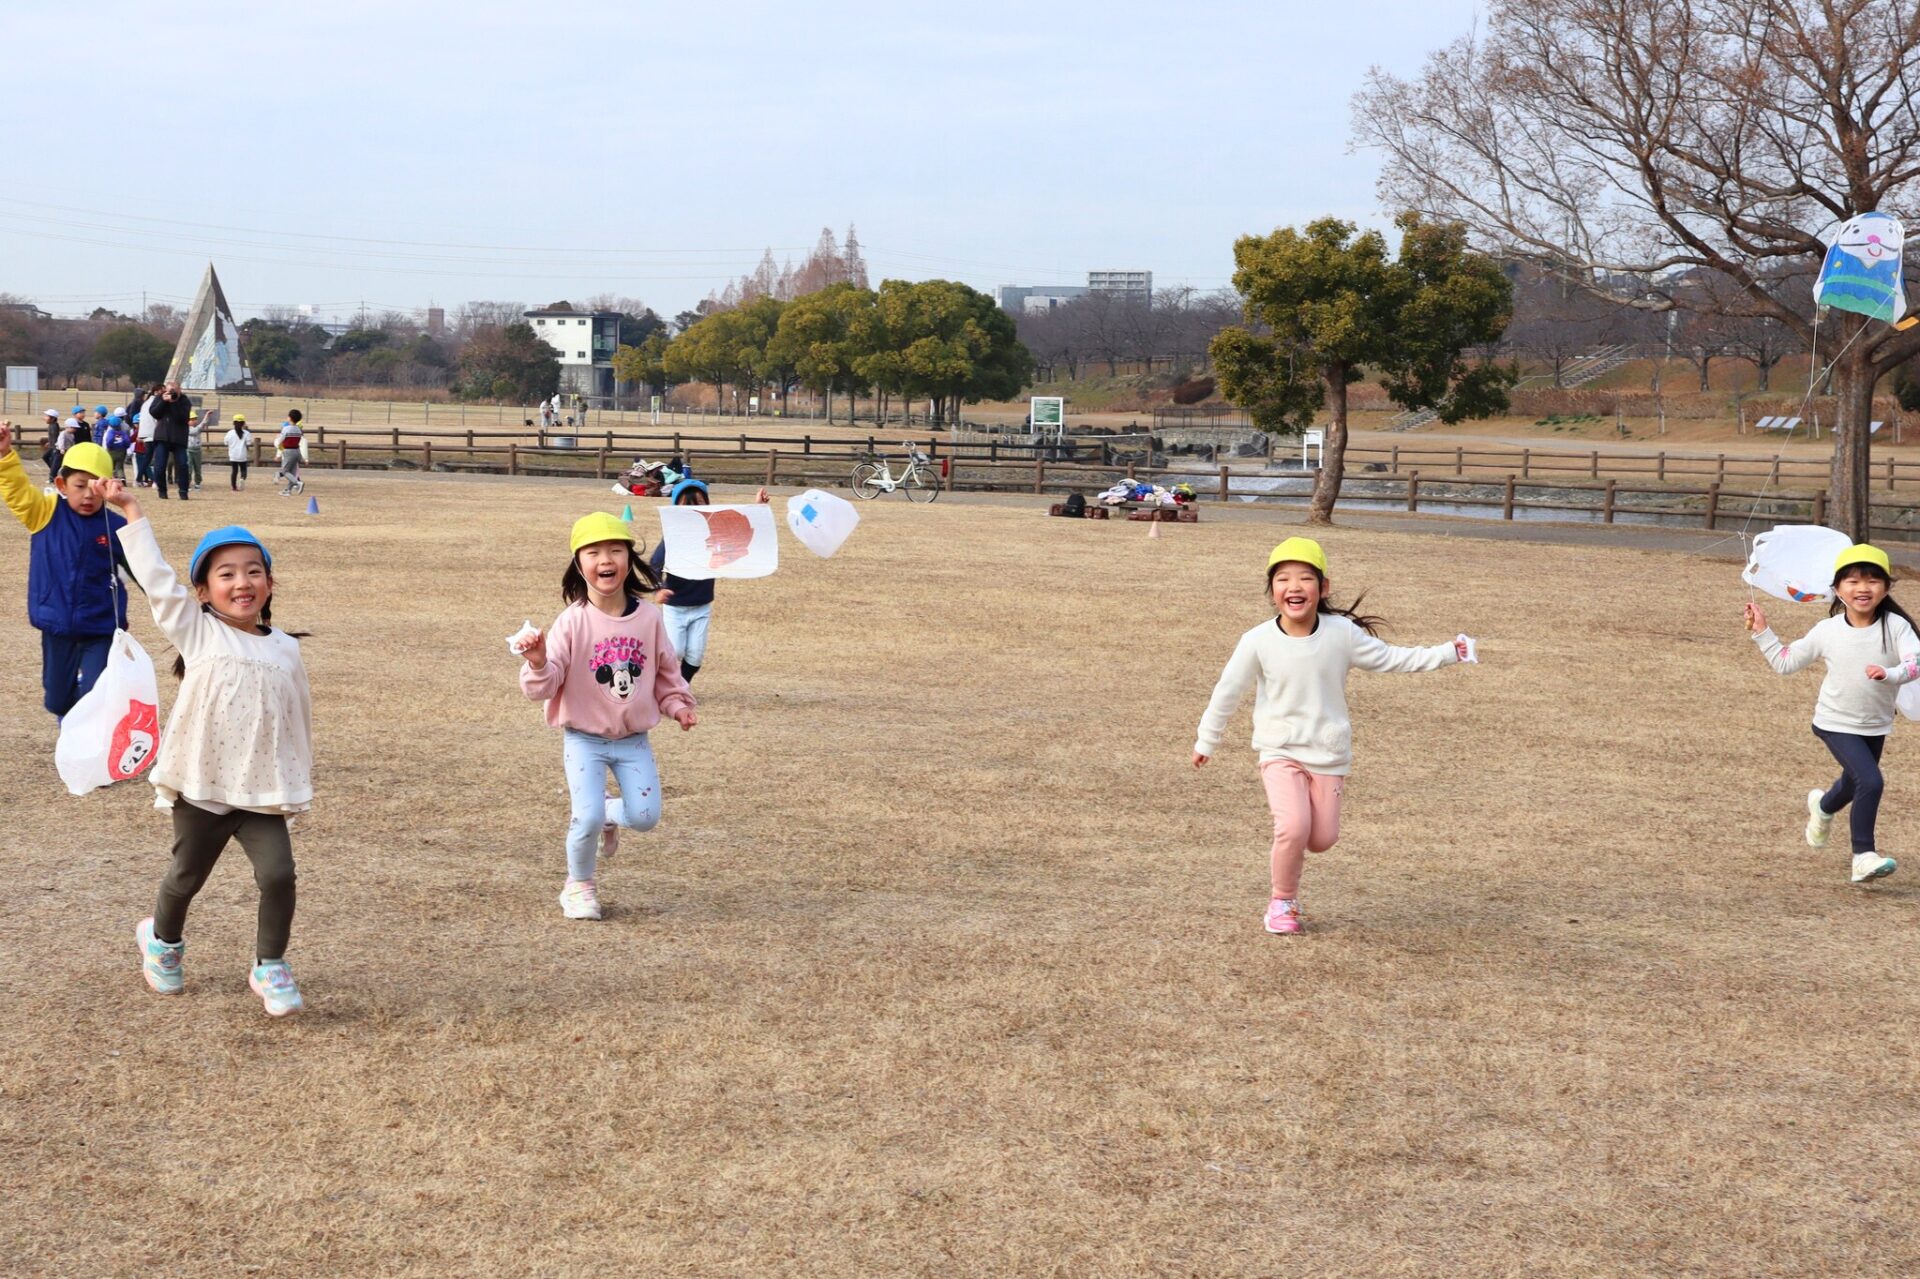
(1297, 666)
(237, 754)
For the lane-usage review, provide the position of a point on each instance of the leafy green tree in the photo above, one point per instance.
(513, 358)
(645, 363)
(130, 350)
(1323, 303)
(945, 341)
(360, 341)
(772, 364)
(721, 350)
(823, 336)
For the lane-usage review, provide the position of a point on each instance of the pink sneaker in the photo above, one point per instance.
(1283, 915)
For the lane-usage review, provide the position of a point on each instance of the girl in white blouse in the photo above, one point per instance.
(237, 754)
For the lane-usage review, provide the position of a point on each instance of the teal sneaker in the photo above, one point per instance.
(159, 960)
(273, 982)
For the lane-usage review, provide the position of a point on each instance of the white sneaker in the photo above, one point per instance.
(1868, 866)
(609, 840)
(579, 901)
(1819, 824)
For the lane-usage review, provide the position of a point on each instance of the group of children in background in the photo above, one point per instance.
(235, 761)
(141, 431)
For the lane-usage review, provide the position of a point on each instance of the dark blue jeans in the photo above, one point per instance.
(165, 456)
(69, 665)
(1860, 783)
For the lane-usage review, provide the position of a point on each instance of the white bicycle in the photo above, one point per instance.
(870, 479)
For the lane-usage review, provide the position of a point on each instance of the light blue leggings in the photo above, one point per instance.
(589, 759)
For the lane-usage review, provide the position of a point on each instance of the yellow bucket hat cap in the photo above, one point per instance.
(91, 458)
(1303, 549)
(600, 527)
(1861, 553)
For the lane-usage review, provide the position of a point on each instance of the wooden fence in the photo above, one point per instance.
(1463, 486)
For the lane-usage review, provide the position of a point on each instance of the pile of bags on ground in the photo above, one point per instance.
(1133, 491)
(651, 479)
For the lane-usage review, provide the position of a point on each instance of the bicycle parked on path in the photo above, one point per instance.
(873, 477)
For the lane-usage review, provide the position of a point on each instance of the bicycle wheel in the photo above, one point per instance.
(923, 485)
(862, 481)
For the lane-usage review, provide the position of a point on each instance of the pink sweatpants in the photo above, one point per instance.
(1306, 816)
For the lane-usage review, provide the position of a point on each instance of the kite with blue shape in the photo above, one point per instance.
(1862, 270)
(821, 521)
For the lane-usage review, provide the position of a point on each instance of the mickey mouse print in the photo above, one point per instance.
(617, 662)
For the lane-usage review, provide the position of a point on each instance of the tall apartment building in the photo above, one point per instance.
(1134, 285)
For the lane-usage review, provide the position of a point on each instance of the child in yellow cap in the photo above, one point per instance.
(1870, 648)
(608, 674)
(75, 597)
(1297, 667)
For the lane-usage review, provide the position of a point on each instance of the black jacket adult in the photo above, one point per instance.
(170, 419)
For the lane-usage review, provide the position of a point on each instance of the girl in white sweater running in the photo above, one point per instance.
(236, 759)
(1870, 649)
(1297, 666)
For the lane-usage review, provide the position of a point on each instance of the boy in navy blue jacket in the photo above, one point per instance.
(74, 597)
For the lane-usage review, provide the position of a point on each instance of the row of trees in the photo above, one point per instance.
(1110, 329)
(936, 340)
(104, 345)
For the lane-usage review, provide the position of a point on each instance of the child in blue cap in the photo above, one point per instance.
(236, 759)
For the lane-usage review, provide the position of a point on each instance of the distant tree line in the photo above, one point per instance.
(933, 340)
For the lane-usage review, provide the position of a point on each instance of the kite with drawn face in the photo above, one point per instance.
(729, 537)
(1862, 270)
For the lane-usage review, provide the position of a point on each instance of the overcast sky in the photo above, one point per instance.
(402, 154)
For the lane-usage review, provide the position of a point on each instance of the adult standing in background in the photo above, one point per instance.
(171, 411)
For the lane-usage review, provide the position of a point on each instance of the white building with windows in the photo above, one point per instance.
(585, 342)
(1135, 286)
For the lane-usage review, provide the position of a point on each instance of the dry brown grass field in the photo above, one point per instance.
(945, 962)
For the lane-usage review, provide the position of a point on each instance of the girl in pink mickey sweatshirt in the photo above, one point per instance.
(607, 673)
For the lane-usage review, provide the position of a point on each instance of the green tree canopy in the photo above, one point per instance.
(945, 341)
(721, 350)
(509, 363)
(823, 336)
(130, 350)
(1323, 303)
(645, 363)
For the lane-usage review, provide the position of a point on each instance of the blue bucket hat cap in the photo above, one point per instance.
(673, 494)
(99, 408)
(114, 419)
(231, 535)
(78, 409)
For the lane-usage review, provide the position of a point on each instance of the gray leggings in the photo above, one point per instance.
(199, 837)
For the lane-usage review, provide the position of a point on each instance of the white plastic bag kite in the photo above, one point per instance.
(1795, 562)
(113, 732)
(821, 521)
(720, 541)
(1862, 269)
(1907, 701)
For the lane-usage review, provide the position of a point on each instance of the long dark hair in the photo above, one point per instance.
(1887, 604)
(641, 579)
(1367, 622)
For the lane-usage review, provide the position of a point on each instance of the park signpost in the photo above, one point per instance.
(1047, 416)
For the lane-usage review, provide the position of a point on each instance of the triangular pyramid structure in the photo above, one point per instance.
(209, 357)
